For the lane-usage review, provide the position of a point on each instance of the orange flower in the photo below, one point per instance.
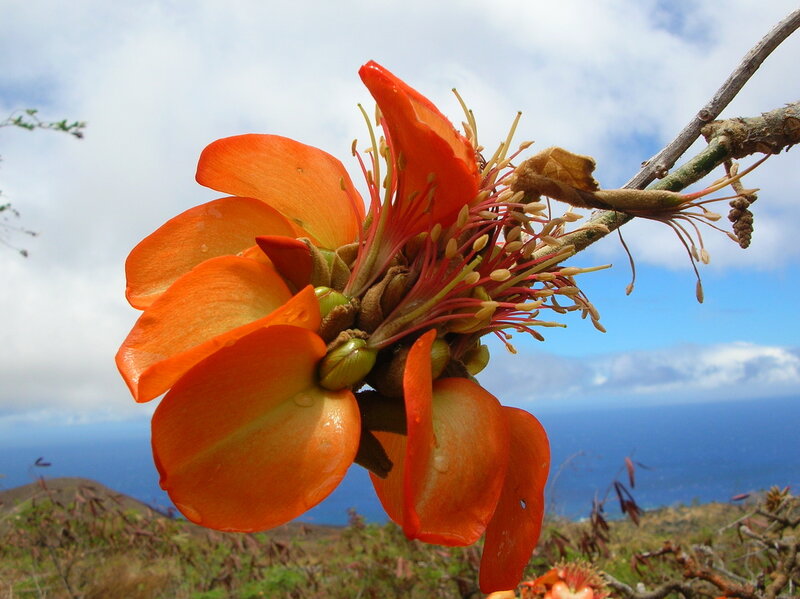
(569, 580)
(266, 311)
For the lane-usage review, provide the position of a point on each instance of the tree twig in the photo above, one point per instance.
(657, 593)
(603, 222)
(658, 166)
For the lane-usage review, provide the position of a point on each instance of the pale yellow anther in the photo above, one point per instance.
(546, 276)
(550, 240)
(480, 243)
(528, 250)
(593, 311)
(435, 232)
(514, 233)
(489, 304)
(472, 278)
(570, 271)
(463, 215)
(712, 216)
(529, 306)
(468, 133)
(571, 217)
(704, 256)
(504, 195)
(535, 207)
(598, 326)
(517, 197)
(451, 249)
(543, 293)
(525, 145)
(569, 290)
(481, 197)
(500, 275)
(487, 214)
(513, 247)
(550, 226)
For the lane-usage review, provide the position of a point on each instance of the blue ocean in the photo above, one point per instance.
(684, 454)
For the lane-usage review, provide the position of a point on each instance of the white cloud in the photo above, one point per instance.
(681, 374)
(158, 80)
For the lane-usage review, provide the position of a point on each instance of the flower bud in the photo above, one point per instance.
(346, 365)
(476, 359)
(387, 377)
(440, 356)
(329, 299)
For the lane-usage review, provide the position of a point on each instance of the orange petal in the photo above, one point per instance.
(429, 144)
(291, 258)
(514, 529)
(224, 226)
(448, 473)
(212, 305)
(308, 186)
(247, 440)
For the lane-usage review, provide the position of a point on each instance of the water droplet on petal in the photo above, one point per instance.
(523, 504)
(204, 248)
(191, 513)
(440, 462)
(303, 400)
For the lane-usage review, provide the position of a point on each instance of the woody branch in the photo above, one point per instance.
(771, 132)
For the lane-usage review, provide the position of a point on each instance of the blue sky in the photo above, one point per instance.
(615, 79)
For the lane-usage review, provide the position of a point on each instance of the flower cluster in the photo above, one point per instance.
(294, 335)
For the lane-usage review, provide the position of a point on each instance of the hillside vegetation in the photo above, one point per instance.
(74, 538)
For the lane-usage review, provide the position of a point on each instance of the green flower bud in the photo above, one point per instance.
(329, 299)
(346, 365)
(440, 356)
(476, 359)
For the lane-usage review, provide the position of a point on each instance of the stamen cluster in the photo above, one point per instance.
(493, 268)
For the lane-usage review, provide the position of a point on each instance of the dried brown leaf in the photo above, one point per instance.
(564, 166)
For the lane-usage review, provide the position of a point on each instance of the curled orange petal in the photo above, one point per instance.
(247, 440)
(430, 147)
(290, 257)
(308, 186)
(514, 529)
(212, 305)
(217, 228)
(453, 458)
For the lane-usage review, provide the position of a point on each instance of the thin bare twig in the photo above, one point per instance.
(658, 593)
(658, 166)
(603, 222)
